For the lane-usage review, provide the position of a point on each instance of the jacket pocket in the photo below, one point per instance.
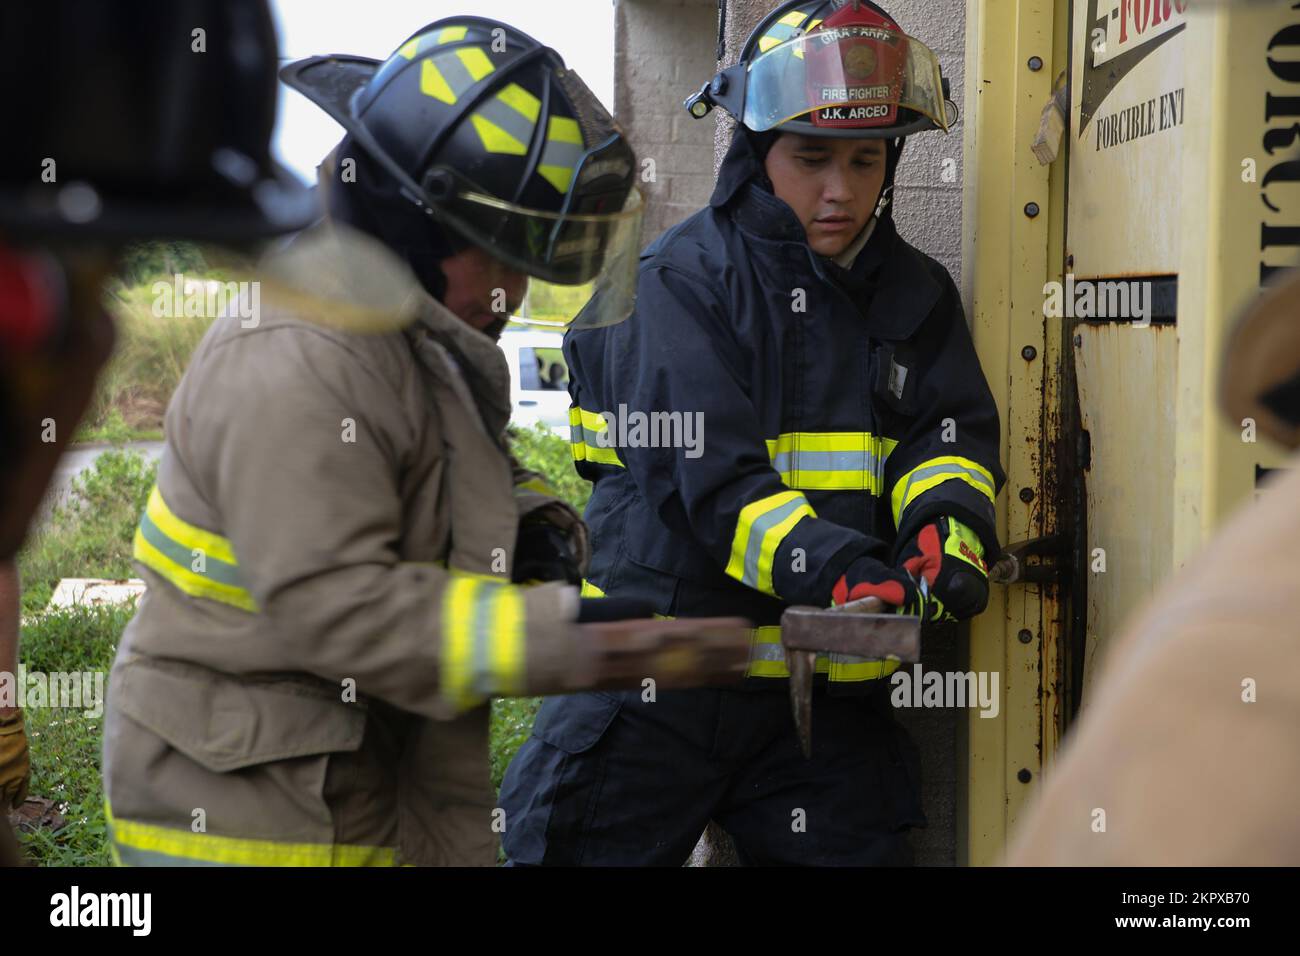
(647, 542)
(226, 723)
(575, 723)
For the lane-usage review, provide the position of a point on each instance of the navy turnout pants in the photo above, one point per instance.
(610, 779)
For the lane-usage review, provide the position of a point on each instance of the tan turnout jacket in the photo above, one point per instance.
(327, 552)
(1189, 752)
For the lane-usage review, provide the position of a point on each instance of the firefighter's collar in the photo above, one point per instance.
(849, 256)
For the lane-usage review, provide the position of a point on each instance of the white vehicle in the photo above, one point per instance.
(539, 380)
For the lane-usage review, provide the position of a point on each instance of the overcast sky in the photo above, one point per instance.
(581, 30)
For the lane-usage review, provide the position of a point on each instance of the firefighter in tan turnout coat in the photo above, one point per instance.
(339, 545)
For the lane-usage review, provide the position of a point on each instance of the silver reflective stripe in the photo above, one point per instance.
(453, 72)
(850, 659)
(763, 651)
(484, 604)
(214, 568)
(758, 531)
(580, 433)
(947, 469)
(564, 155)
(508, 119)
(130, 856)
(791, 461)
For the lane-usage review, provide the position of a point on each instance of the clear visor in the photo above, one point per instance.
(849, 77)
(583, 268)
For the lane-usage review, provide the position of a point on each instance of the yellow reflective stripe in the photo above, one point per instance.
(188, 581)
(535, 485)
(508, 642)
(846, 668)
(830, 441)
(433, 83)
(793, 19)
(495, 139)
(590, 590)
(831, 461)
(458, 619)
(583, 428)
(168, 545)
(760, 529)
(483, 647)
(478, 63)
(451, 34)
(409, 48)
(127, 836)
(521, 101)
(564, 130)
(564, 150)
(934, 472)
(213, 545)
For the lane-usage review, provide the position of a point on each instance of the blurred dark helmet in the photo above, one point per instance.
(142, 118)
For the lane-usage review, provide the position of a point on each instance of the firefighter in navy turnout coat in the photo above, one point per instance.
(803, 422)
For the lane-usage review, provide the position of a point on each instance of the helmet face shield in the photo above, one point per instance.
(571, 259)
(853, 77)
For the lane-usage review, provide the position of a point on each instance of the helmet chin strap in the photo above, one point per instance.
(893, 152)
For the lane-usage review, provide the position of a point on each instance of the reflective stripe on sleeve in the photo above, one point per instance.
(483, 653)
(760, 529)
(934, 472)
(588, 437)
(200, 563)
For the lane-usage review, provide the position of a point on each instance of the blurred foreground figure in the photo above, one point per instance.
(134, 132)
(1191, 746)
(342, 556)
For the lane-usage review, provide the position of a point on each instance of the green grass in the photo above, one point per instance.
(147, 364)
(64, 743)
(90, 535)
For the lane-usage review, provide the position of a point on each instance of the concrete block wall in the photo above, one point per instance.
(664, 50)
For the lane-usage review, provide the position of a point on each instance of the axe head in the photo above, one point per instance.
(858, 628)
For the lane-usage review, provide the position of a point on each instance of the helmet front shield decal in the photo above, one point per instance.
(851, 77)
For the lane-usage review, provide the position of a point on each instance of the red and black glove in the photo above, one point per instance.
(946, 560)
(867, 577)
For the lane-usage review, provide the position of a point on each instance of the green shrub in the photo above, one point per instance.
(541, 450)
(90, 535)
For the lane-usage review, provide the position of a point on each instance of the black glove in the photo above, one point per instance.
(947, 560)
(867, 577)
(542, 553)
